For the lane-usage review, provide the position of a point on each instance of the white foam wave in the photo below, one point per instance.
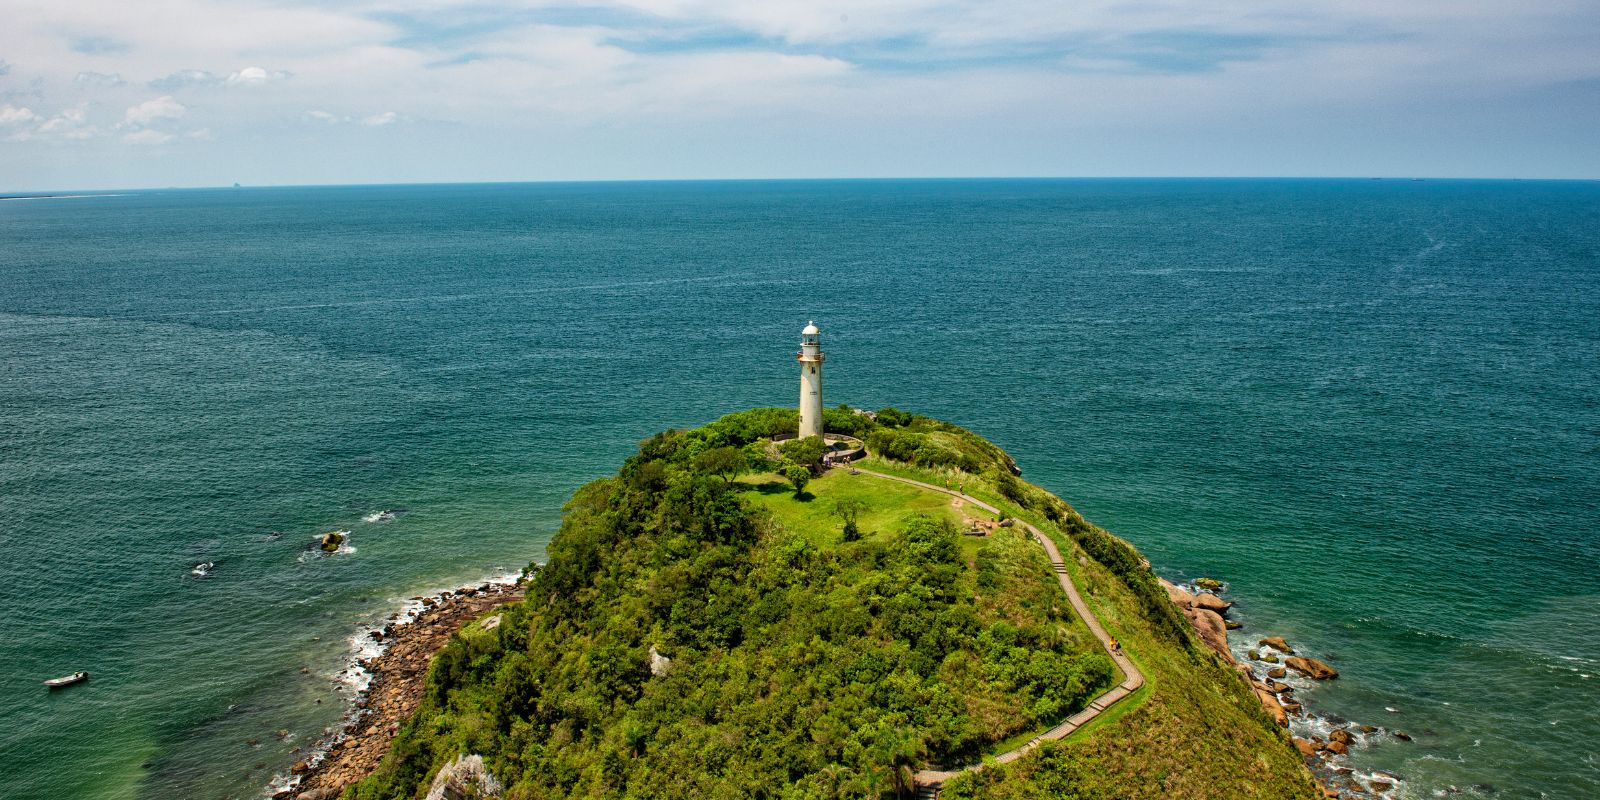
(378, 517)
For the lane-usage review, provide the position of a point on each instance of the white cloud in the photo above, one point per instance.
(12, 116)
(147, 136)
(201, 78)
(151, 111)
(98, 79)
(199, 135)
(255, 76)
(380, 120)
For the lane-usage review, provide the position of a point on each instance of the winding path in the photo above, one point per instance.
(929, 781)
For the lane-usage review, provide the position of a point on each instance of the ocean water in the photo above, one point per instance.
(1373, 407)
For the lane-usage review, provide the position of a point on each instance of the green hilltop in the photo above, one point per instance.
(711, 623)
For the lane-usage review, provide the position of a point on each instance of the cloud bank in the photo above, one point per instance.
(467, 89)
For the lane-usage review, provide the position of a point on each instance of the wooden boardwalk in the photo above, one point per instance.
(929, 781)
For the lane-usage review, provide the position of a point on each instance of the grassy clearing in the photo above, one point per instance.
(887, 504)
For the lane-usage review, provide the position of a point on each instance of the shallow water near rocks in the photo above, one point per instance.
(1372, 407)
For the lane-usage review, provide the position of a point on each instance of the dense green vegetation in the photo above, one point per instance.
(802, 665)
(828, 636)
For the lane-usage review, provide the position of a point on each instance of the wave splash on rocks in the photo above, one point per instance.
(385, 672)
(1280, 678)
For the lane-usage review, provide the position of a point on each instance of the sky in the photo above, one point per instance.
(99, 94)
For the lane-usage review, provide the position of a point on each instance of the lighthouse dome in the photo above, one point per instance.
(811, 329)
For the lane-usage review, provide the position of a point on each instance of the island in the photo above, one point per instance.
(884, 610)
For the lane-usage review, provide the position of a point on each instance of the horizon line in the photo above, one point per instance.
(61, 193)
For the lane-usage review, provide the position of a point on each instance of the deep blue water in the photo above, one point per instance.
(1373, 407)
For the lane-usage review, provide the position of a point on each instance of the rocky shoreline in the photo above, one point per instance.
(397, 673)
(1322, 740)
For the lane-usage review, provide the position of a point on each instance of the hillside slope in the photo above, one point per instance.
(702, 628)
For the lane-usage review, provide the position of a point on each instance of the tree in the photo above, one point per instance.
(805, 451)
(725, 461)
(848, 509)
(799, 476)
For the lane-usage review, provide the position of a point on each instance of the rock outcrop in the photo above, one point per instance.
(1211, 602)
(466, 778)
(1311, 668)
(1277, 643)
(659, 664)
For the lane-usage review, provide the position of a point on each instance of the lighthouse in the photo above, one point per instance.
(810, 359)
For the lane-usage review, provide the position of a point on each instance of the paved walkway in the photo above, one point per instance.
(929, 780)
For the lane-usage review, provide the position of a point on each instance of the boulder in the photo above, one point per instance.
(1380, 786)
(1277, 643)
(464, 779)
(1254, 654)
(1307, 749)
(1340, 735)
(1233, 626)
(659, 664)
(324, 793)
(1179, 597)
(1277, 673)
(1402, 736)
(1274, 709)
(1211, 602)
(1291, 707)
(300, 767)
(331, 541)
(1367, 728)
(1338, 748)
(1270, 658)
(1311, 668)
(1208, 624)
(1209, 583)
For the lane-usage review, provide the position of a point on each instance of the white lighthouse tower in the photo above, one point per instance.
(810, 359)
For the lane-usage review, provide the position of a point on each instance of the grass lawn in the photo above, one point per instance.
(886, 504)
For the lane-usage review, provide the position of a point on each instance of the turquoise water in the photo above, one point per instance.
(1372, 407)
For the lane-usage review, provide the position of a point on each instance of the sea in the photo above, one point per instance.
(1371, 407)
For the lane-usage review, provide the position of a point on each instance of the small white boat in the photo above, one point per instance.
(68, 680)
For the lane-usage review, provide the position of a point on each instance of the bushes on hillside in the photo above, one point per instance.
(797, 671)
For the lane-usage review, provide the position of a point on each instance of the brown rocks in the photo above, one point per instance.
(1273, 707)
(1401, 735)
(1211, 602)
(1340, 735)
(1311, 668)
(395, 691)
(1337, 748)
(1277, 672)
(1179, 597)
(1277, 643)
(1380, 786)
(1307, 749)
(1233, 626)
(1208, 624)
(1270, 658)
(1209, 583)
